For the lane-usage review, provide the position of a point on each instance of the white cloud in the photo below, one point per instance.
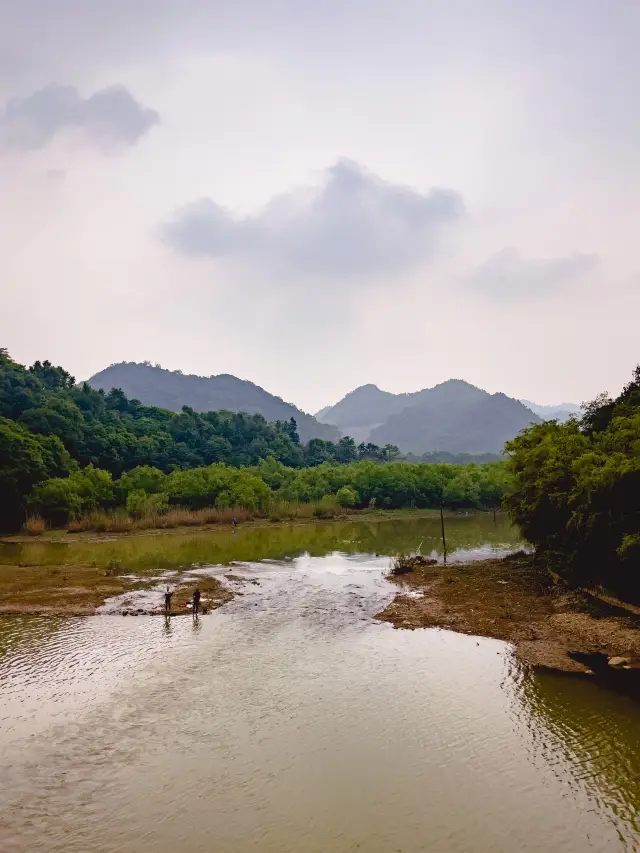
(354, 223)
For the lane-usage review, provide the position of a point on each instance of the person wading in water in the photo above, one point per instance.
(196, 602)
(167, 602)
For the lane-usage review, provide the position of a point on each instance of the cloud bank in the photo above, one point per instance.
(108, 117)
(354, 223)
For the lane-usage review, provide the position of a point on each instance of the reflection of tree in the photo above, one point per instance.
(589, 737)
(275, 543)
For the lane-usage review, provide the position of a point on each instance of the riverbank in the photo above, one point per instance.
(511, 599)
(63, 535)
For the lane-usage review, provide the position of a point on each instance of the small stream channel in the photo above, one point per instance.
(291, 721)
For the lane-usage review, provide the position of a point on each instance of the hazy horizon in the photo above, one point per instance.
(318, 197)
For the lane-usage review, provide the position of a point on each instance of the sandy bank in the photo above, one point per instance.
(511, 599)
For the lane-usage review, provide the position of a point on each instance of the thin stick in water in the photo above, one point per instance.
(444, 540)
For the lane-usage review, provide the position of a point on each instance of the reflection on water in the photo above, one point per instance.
(589, 738)
(477, 534)
(291, 721)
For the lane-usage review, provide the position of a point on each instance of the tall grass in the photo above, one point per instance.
(34, 525)
(120, 522)
(102, 522)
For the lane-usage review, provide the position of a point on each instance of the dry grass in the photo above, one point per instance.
(403, 564)
(34, 525)
(102, 522)
(194, 517)
(291, 510)
(121, 522)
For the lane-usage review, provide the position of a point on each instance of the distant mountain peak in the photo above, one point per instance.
(453, 416)
(559, 411)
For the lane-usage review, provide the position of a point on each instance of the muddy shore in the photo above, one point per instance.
(511, 599)
(80, 590)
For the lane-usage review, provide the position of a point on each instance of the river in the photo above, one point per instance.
(290, 720)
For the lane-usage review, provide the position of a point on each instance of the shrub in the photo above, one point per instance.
(346, 496)
(140, 504)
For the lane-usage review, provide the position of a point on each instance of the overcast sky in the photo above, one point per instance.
(319, 195)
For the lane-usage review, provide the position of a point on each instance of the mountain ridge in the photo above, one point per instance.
(167, 389)
(453, 416)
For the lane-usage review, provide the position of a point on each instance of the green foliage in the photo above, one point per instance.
(346, 496)
(118, 434)
(57, 501)
(576, 491)
(67, 451)
(60, 499)
(139, 503)
(144, 478)
(25, 460)
(330, 486)
(216, 485)
(112, 432)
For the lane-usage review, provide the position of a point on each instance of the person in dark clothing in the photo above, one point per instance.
(167, 601)
(196, 602)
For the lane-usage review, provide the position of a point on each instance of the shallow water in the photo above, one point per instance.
(291, 721)
(473, 536)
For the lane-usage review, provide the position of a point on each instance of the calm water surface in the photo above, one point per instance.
(291, 721)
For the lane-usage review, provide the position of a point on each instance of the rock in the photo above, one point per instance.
(619, 661)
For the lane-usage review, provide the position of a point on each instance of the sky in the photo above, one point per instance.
(315, 196)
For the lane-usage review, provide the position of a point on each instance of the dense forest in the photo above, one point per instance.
(575, 491)
(67, 449)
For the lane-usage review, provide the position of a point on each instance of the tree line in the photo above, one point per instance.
(575, 491)
(52, 429)
(146, 490)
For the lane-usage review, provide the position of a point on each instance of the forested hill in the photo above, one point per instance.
(172, 390)
(51, 427)
(454, 416)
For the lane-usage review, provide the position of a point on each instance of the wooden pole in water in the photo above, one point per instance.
(494, 516)
(444, 541)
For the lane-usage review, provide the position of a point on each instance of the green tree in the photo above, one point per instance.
(25, 461)
(575, 491)
(346, 496)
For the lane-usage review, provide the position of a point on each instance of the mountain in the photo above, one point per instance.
(365, 406)
(454, 417)
(173, 390)
(559, 412)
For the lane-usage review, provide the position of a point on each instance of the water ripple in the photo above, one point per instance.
(291, 721)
